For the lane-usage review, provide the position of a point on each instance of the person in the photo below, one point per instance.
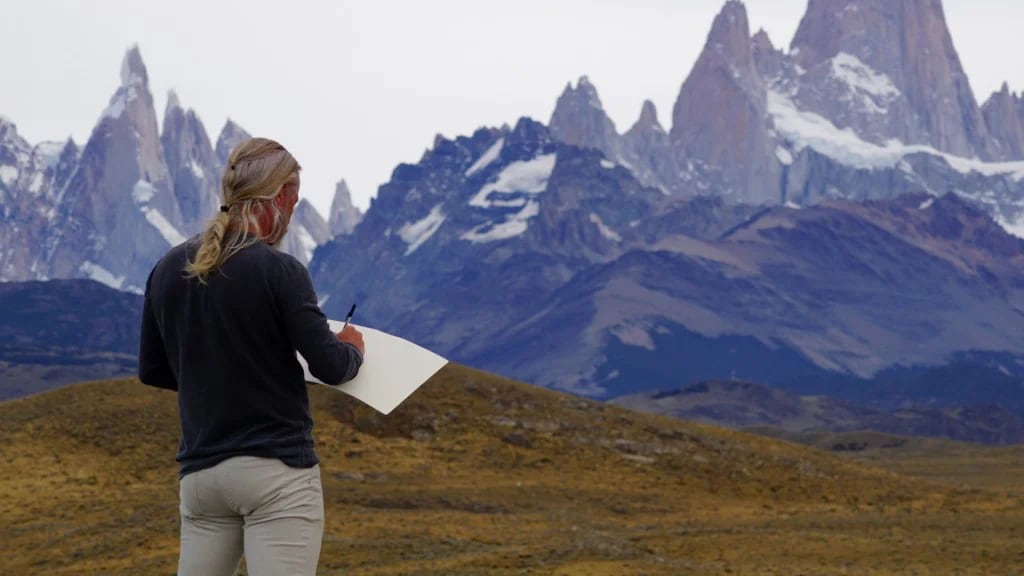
(223, 316)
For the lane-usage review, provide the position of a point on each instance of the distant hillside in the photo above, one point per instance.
(479, 475)
(62, 331)
(991, 467)
(746, 405)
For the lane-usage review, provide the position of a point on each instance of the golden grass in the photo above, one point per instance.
(479, 475)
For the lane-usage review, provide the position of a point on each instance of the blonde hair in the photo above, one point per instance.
(257, 171)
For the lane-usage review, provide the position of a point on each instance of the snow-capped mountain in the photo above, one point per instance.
(513, 252)
(31, 179)
(871, 101)
(794, 219)
(109, 210)
(118, 214)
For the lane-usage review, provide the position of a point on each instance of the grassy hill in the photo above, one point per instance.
(479, 475)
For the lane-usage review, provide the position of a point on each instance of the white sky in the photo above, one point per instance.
(354, 88)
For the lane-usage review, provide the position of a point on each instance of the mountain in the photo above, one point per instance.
(888, 70)
(489, 225)
(512, 252)
(1004, 118)
(343, 217)
(870, 102)
(748, 405)
(475, 474)
(109, 210)
(32, 181)
(62, 331)
(231, 135)
(193, 167)
(579, 119)
(718, 120)
(118, 214)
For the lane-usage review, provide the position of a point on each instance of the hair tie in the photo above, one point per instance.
(223, 208)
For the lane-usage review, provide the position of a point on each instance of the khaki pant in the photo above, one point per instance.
(272, 511)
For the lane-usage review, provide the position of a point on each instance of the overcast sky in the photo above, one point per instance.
(354, 88)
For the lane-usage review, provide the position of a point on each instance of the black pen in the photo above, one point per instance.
(349, 317)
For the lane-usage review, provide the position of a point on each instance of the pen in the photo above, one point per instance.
(349, 317)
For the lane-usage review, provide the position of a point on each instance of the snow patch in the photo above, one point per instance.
(523, 180)
(116, 107)
(510, 228)
(416, 233)
(632, 335)
(608, 164)
(142, 192)
(489, 156)
(605, 230)
(860, 77)
(165, 228)
(807, 129)
(926, 204)
(48, 153)
(197, 170)
(101, 275)
(36, 184)
(1013, 228)
(784, 156)
(8, 175)
(529, 176)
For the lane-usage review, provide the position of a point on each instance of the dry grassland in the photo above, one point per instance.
(480, 475)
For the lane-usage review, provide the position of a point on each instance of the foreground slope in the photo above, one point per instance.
(479, 475)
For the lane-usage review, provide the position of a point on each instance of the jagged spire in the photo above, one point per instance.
(344, 216)
(579, 119)
(172, 101)
(231, 135)
(133, 69)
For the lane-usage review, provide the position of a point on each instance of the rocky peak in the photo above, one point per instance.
(768, 59)
(8, 130)
(1005, 122)
(727, 62)
(14, 150)
(172, 101)
(579, 119)
(231, 135)
(719, 117)
(648, 121)
(344, 216)
(648, 152)
(118, 212)
(133, 70)
(898, 54)
(762, 41)
(729, 38)
(192, 165)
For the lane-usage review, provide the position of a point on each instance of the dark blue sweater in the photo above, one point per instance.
(228, 348)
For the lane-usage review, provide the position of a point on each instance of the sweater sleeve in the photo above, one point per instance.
(329, 359)
(154, 369)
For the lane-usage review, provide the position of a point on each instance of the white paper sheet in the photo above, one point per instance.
(393, 368)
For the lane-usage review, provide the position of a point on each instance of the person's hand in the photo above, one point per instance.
(354, 337)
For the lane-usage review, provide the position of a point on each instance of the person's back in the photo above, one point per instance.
(224, 315)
